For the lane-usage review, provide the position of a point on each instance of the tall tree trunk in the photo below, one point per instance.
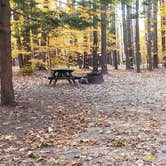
(95, 55)
(85, 60)
(137, 41)
(129, 36)
(85, 54)
(20, 56)
(0, 67)
(26, 43)
(125, 36)
(95, 42)
(115, 59)
(103, 40)
(163, 25)
(149, 42)
(155, 46)
(7, 92)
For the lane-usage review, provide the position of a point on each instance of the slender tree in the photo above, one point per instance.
(7, 92)
(115, 57)
(129, 37)
(149, 36)
(137, 40)
(23, 30)
(155, 36)
(95, 41)
(125, 34)
(163, 25)
(103, 39)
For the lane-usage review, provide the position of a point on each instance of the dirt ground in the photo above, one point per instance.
(121, 122)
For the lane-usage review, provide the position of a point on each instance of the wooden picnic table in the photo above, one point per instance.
(62, 74)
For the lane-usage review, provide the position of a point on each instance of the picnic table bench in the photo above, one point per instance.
(63, 74)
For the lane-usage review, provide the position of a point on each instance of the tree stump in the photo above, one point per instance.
(95, 78)
(164, 61)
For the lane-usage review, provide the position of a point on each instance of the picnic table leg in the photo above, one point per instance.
(56, 77)
(74, 81)
(55, 81)
(50, 81)
(69, 80)
(67, 75)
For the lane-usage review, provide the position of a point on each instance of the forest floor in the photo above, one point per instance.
(121, 122)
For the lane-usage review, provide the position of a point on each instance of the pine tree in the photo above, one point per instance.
(163, 25)
(125, 34)
(137, 38)
(7, 92)
(155, 36)
(95, 41)
(149, 36)
(129, 37)
(103, 39)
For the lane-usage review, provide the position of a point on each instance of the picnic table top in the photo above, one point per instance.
(62, 69)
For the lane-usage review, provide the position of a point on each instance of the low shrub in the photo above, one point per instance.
(38, 63)
(27, 69)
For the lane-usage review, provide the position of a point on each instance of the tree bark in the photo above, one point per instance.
(125, 32)
(7, 92)
(85, 54)
(20, 56)
(95, 42)
(103, 40)
(85, 61)
(129, 40)
(149, 40)
(115, 59)
(27, 46)
(95, 55)
(163, 25)
(155, 46)
(137, 40)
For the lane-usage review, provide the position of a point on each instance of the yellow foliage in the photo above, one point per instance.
(70, 41)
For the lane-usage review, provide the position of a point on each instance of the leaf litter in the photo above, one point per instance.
(119, 122)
